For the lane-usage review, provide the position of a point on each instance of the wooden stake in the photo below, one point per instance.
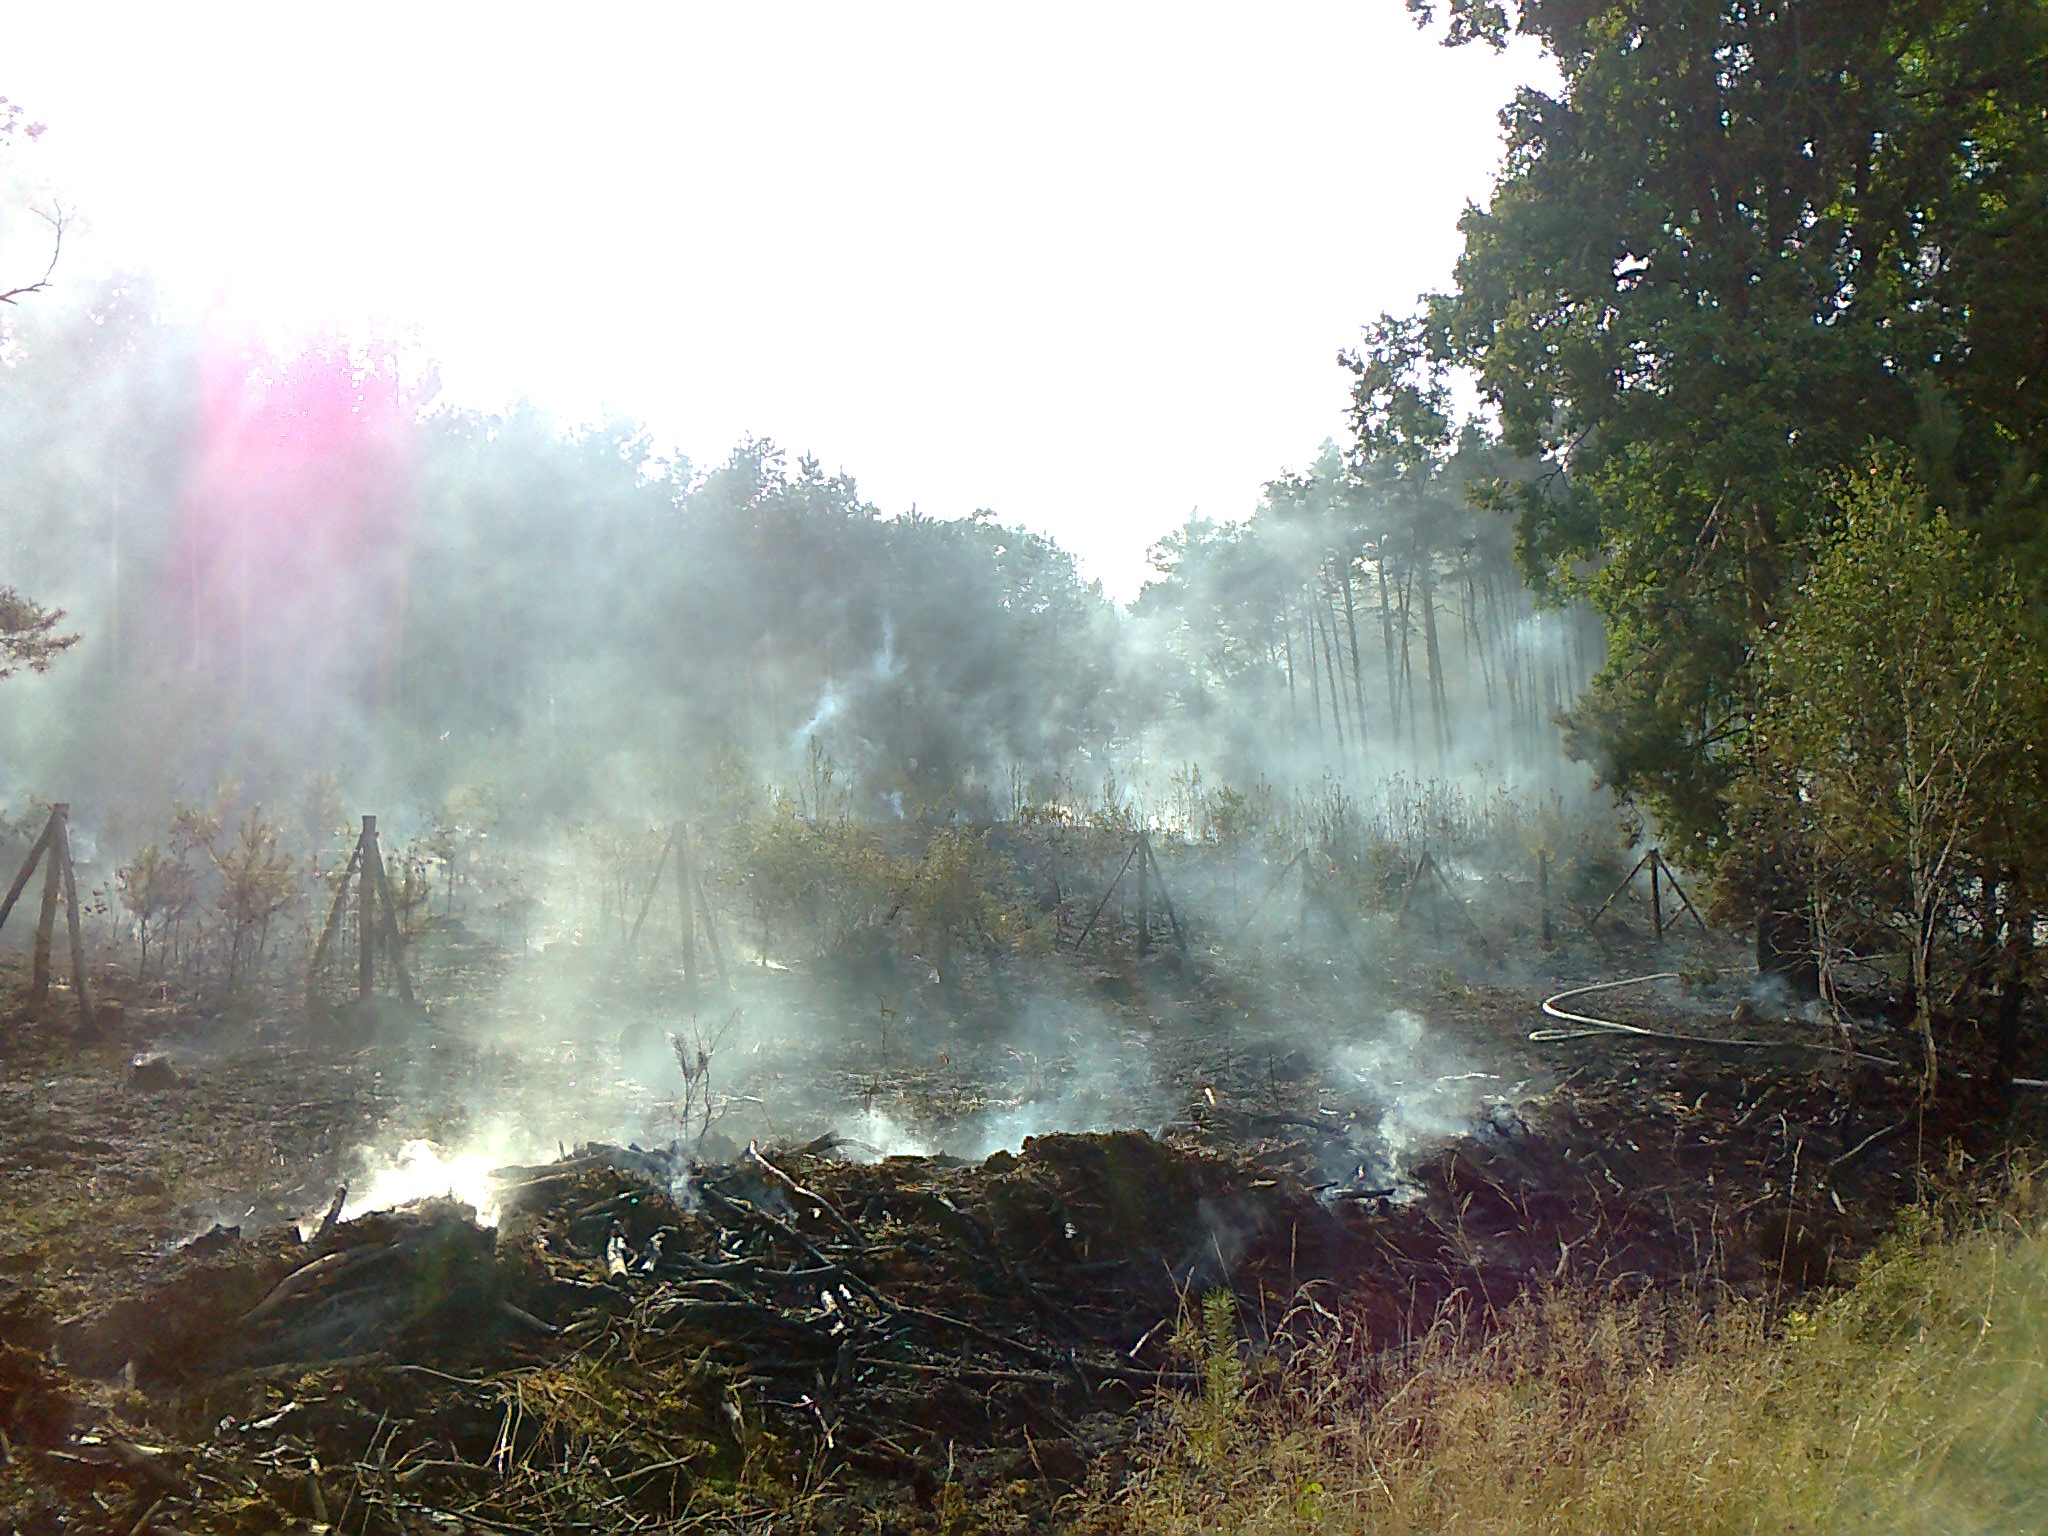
(375, 864)
(1308, 875)
(1180, 935)
(1440, 891)
(710, 928)
(376, 920)
(653, 885)
(1272, 885)
(334, 912)
(1320, 894)
(1090, 928)
(28, 868)
(71, 920)
(1414, 880)
(1656, 896)
(1458, 906)
(686, 901)
(1660, 876)
(1144, 924)
(1684, 900)
(1625, 881)
(53, 848)
(366, 913)
(46, 919)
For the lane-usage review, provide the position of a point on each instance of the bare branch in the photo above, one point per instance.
(58, 220)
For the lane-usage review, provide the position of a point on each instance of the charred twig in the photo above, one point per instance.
(753, 1269)
(298, 1282)
(1872, 1138)
(780, 1228)
(333, 1217)
(825, 1206)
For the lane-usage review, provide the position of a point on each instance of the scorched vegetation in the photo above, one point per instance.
(553, 988)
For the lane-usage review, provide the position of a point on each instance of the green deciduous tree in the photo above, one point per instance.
(1895, 746)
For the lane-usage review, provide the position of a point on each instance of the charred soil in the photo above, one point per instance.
(771, 1318)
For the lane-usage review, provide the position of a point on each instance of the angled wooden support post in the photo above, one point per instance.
(647, 900)
(1440, 891)
(1634, 870)
(1173, 923)
(373, 866)
(1425, 875)
(376, 920)
(1656, 895)
(1679, 891)
(1272, 885)
(1308, 886)
(62, 852)
(1146, 863)
(366, 913)
(333, 924)
(1150, 876)
(60, 876)
(1660, 878)
(28, 868)
(1097, 913)
(52, 849)
(686, 904)
(1144, 877)
(710, 927)
(1458, 905)
(1414, 880)
(693, 906)
(1331, 908)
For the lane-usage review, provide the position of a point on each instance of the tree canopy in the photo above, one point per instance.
(438, 598)
(1741, 241)
(29, 634)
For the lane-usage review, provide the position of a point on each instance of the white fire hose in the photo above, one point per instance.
(1591, 1027)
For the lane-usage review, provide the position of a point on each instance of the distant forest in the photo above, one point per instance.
(283, 567)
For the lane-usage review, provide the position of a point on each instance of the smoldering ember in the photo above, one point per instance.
(1497, 989)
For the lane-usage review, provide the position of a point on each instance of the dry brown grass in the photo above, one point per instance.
(1916, 1400)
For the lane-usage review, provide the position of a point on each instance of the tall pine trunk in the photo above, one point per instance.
(1357, 672)
(1439, 700)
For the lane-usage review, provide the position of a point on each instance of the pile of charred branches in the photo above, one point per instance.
(642, 1341)
(649, 1338)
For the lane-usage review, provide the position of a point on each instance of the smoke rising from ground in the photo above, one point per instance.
(611, 709)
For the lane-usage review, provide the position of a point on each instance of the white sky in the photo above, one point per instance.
(1088, 266)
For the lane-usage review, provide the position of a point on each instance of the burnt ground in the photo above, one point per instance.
(654, 1335)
